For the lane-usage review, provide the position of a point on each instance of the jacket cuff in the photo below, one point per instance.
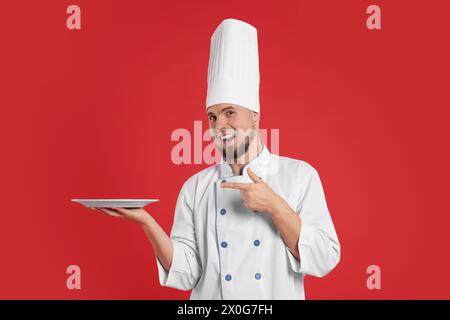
(171, 277)
(304, 245)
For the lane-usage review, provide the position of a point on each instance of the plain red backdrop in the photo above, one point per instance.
(89, 113)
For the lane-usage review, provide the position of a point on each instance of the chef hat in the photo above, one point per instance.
(233, 69)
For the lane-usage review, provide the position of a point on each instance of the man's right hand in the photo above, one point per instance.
(160, 241)
(137, 215)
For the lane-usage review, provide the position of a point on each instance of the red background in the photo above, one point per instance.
(89, 114)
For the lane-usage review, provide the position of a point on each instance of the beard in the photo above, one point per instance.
(235, 152)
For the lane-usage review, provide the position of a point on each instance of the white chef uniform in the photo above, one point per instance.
(223, 250)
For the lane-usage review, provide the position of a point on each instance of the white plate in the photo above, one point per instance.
(115, 203)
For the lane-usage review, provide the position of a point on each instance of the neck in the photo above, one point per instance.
(253, 151)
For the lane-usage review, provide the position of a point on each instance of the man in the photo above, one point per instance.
(252, 226)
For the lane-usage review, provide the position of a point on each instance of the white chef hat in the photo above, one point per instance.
(233, 69)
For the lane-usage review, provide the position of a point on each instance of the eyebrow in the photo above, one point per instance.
(224, 109)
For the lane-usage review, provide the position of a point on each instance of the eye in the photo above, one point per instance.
(212, 118)
(230, 113)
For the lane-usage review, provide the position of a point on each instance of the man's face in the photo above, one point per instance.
(233, 128)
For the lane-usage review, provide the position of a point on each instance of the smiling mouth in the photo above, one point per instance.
(228, 137)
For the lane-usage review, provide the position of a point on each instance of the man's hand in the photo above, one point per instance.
(159, 240)
(257, 196)
(138, 215)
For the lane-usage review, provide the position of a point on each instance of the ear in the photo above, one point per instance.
(255, 117)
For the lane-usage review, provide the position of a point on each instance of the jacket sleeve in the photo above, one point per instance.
(319, 248)
(186, 269)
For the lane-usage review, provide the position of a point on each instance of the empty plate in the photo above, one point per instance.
(115, 203)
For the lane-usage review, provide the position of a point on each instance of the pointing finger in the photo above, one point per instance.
(235, 185)
(253, 176)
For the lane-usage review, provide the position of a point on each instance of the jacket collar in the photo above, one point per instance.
(258, 164)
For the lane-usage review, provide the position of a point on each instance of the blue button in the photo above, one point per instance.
(257, 276)
(224, 244)
(223, 211)
(228, 277)
(256, 243)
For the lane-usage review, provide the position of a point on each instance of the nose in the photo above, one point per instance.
(221, 123)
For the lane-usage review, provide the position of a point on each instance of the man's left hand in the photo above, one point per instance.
(257, 196)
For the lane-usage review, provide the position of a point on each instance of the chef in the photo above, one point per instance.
(255, 224)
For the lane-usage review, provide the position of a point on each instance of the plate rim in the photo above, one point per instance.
(116, 200)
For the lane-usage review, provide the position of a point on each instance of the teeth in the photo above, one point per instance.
(228, 137)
